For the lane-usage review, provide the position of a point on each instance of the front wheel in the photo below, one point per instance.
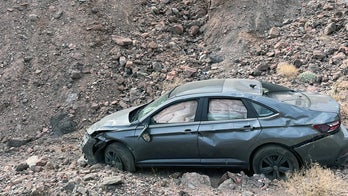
(274, 162)
(120, 157)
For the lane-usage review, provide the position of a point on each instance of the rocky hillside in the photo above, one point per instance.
(65, 64)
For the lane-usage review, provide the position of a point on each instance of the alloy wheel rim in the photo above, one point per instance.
(111, 158)
(275, 166)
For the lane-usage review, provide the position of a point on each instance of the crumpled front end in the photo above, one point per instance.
(90, 148)
(331, 150)
(87, 148)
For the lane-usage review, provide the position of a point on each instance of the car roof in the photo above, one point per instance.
(218, 86)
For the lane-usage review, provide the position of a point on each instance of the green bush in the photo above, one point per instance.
(308, 77)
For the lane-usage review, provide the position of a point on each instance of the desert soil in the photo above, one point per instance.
(65, 64)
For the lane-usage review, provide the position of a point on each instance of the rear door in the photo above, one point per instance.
(227, 132)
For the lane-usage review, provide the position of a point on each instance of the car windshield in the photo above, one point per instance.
(149, 107)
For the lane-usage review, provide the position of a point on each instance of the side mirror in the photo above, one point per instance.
(145, 134)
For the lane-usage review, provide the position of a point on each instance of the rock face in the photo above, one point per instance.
(250, 20)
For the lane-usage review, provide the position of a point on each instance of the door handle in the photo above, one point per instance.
(248, 127)
(187, 130)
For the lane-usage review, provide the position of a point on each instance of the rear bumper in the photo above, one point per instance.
(331, 150)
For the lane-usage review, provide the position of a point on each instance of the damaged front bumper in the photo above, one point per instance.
(88, 144)
(330, 151)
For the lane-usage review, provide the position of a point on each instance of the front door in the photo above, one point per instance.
(173, 136)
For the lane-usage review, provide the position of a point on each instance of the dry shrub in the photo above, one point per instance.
(315, 181)
(339, 92)
(286, 69)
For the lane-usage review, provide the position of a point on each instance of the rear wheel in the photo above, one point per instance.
(118, 156)
(274, 162)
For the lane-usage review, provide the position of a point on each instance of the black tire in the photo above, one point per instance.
(118, 156)
(274, 162)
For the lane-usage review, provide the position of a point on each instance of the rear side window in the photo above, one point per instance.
(226, 109)
(262, 111)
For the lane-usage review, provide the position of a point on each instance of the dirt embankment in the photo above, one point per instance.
(65, 64)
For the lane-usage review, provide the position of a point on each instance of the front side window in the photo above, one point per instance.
(177, 113)
(226, 109)
(151, 106)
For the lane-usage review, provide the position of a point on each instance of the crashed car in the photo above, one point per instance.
(240, 123)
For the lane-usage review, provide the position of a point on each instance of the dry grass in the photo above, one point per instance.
(286, 69)
(339, 92)
(315, 181)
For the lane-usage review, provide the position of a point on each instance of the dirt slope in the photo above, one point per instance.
(65, 64)
(230, 20)
(62, 57)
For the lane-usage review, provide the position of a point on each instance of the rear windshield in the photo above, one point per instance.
(284, 94)
(291, 97)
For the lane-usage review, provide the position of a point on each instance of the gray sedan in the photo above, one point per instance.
(241, 123)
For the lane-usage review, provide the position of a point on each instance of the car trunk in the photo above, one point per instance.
(313, 101)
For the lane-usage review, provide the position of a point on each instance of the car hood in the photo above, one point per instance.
(120, 118)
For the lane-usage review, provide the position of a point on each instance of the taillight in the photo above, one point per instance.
(329, 127)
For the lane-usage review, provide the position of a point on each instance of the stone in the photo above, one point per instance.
(228, 185)
(129, 64)
(189, 71)
(154, 10)
(33, 17)
(175, 10)
(32, 161)
(112, 180)
(58, 14)
(178, 29)
(152, 45)
(82, 162)
(274, 32)
(195, 180)
(172, 19)
(122, 41)
(270, 54)
(62, 124)
(16, 142)
(122, 60)
(263, 67)
(171, 75)
(83, 191)
(330, 28)
(339, 57)
(95, 106)
(123, 104)
(247, 193)
(236, 178)
(89, 177)
(319, 55)
(70, 186)
(75, 74)
(298, 63)
(21, 167)
(194, 30)
(214, 58)
(344, 48)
